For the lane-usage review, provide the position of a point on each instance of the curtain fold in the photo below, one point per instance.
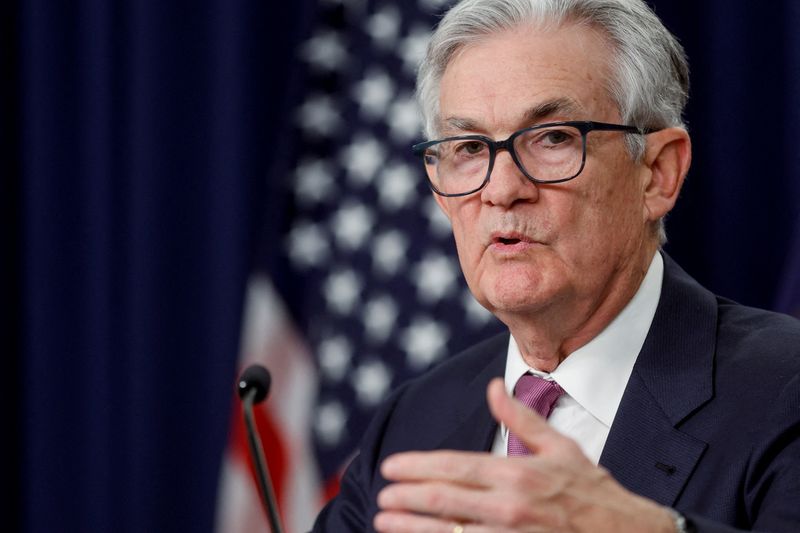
(144, 138)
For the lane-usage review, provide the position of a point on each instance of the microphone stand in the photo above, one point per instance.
(257, 452)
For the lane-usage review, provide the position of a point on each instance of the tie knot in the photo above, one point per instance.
(537, 393)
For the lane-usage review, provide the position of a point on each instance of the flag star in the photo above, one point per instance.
(329, 423)
(362, 159)
(352, 224)
(384, 26)
(373, 93)
(404, 119)
(413, 47)
(397, 186)
(307, 245)
(389, 252)
(477, 315)
(435, 277)
(318, 116)
(380, 315)
(424, 341)
(325, 51)
(335, 354)
(371, 380)
(314, 181)
(342, 290)
(438, 221)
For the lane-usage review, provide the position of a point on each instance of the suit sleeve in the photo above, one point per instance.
(772, 490)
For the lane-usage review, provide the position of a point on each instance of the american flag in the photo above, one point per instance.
(365, 265)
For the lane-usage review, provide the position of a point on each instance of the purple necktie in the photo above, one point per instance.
(538, 394)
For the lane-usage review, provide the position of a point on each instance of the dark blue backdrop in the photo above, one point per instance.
(136, 141)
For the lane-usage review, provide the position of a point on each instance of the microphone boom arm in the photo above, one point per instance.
(257, 452)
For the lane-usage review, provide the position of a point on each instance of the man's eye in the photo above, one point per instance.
(553, 137)
(470, 147)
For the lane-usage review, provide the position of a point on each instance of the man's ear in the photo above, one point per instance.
(667, 156)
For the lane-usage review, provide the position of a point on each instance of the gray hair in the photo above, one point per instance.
(650, 72)
(650, 80)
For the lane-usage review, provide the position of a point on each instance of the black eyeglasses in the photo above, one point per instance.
(546, 153)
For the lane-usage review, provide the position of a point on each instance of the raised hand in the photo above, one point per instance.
(556, 489)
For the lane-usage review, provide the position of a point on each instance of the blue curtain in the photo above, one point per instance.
(135, 146)
(740, 207)
(144, 132)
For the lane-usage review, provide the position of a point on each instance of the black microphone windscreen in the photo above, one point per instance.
(255, 377)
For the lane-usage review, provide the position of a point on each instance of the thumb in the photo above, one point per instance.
(525, 423)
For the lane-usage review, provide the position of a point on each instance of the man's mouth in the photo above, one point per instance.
(510, 240)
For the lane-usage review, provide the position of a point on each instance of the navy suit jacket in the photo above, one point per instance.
(709, 422)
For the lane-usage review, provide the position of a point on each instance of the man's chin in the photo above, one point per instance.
(516, 297)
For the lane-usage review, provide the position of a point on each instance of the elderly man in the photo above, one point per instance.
(645, 402)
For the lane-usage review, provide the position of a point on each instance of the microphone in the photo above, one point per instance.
(253, 388)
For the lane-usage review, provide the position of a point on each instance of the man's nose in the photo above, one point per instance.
(507, 183)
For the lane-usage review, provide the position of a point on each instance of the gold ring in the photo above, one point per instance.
(458, 528)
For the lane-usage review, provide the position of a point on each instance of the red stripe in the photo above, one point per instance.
(331, 488)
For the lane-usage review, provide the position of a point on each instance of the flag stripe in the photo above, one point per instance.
(367, 259)
(283, 422)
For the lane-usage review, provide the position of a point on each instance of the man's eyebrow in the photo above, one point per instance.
(460, 124)
(561, 106)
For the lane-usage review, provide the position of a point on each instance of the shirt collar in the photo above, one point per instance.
(596, 374)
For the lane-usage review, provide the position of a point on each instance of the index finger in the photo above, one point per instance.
(467, 468)
(531, 428)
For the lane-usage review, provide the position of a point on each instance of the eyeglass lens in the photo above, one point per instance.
(547, 154)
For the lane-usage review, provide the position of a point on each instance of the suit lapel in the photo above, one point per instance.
(475, 428)
(672, 378)
(645, 451)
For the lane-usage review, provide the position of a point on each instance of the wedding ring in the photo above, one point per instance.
(458, 528)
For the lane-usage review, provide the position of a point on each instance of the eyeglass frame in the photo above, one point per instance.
(583, 126)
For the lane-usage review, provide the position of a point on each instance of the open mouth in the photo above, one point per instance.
(510, 241)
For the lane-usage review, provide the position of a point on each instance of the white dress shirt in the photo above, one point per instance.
(595, 375)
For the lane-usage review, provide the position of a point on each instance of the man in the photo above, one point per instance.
(558, 149)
